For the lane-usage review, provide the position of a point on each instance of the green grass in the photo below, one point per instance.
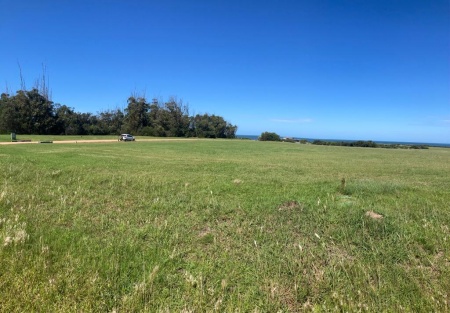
(226, 226)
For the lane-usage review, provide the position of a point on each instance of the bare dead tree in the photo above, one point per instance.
(22, 80)
(6, 88)
(138, 95)
(42, 84)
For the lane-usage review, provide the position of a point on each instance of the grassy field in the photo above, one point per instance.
(223, 226)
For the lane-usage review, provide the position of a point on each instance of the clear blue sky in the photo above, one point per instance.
(360, 69)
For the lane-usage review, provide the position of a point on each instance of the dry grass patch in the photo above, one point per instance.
(290, 205)
(374, 215)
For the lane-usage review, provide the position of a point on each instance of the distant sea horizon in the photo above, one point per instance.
(431, 144)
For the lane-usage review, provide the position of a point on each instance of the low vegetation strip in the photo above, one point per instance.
(226, 226)
(368, 144)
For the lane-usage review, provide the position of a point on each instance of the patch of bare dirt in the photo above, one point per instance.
(205, 231)
(374, 215)
(290, 205)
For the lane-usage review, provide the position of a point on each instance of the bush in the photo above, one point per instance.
(289, 140)
(267, 136)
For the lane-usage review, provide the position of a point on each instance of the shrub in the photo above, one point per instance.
(289, 140)
(267, 136)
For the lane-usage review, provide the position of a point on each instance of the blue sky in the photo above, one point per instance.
(360, 69)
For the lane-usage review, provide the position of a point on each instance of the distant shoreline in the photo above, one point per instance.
(430, 144)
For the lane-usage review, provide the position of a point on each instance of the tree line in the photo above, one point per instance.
(368, 144)
(31, 112)
(270, 136)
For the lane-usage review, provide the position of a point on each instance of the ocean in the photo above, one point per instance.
(430, 144)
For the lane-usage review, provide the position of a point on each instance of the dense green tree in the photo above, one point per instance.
(268, 136)
(67, 121)
(111, 122)
(42, 118)
(177, 118)
(170, 119)
(8, 116)
(22, 123)
(89, 124)
(28, 112)
(136, 118)
(157, 118)
(212, 126)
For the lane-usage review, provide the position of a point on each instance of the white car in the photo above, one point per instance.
(126, 137)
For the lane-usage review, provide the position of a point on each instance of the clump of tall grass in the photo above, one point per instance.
(362, 187)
